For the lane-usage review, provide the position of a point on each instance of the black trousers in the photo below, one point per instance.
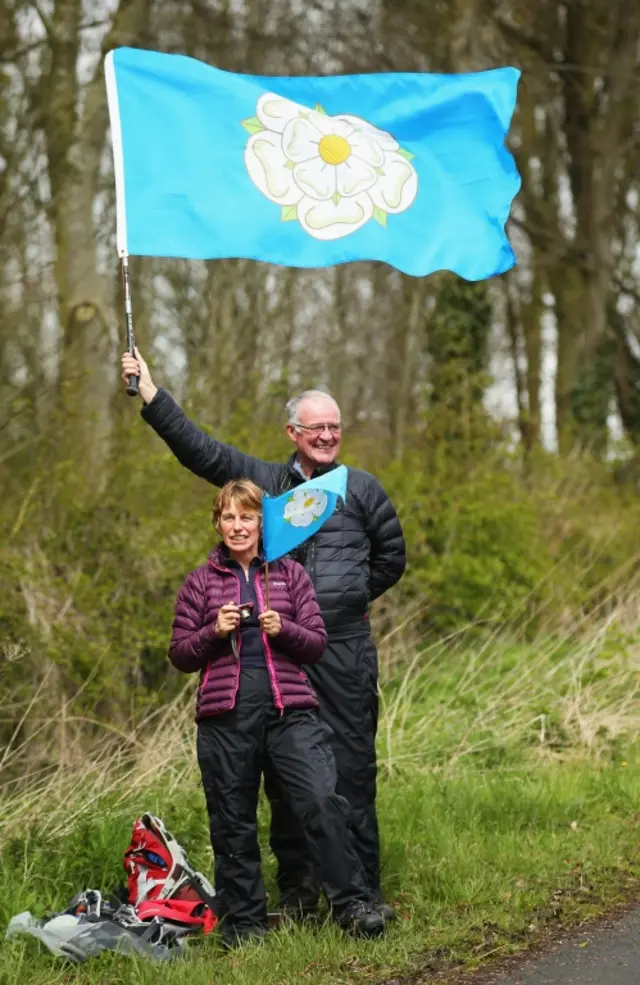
(346, 682)
(233, 750)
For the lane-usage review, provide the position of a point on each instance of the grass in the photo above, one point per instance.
(509, 798)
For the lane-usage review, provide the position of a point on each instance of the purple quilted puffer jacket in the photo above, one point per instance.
(195, 646)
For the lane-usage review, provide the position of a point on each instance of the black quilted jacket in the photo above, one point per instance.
(357, 554)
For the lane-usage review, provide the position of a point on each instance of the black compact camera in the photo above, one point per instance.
(246, 608)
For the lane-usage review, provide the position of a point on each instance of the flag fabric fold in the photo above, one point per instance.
(290, 519)
(406, 168)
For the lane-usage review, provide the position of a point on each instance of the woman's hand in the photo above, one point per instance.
(228, 619)
(270, 622)
(136, 366)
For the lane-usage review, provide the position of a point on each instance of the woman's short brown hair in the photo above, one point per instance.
(243, 492)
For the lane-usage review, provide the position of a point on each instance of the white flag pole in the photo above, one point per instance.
(121, 215)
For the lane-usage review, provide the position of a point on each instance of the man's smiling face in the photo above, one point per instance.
(318, 432)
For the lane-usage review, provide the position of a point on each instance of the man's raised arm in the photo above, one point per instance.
(212, 460)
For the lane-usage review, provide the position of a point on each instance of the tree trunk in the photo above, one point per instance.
(75, 140)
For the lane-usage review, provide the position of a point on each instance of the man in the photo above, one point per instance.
(357, 555)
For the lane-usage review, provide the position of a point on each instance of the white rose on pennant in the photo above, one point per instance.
(303, 507)
(330, 173)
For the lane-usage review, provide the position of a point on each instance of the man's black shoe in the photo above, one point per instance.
(362, 919)
(386, 912)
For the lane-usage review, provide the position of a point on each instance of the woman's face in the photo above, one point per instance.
(240, 530)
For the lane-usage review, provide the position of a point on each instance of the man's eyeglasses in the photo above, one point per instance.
(319, 428)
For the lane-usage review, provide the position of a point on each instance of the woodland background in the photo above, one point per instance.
(502, 417)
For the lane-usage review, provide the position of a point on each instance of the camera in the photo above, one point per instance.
(246, 608)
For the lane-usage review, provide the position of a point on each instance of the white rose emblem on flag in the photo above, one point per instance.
(332, 174)
(303, 507)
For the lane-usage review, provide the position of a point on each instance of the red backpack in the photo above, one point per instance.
(162, 883)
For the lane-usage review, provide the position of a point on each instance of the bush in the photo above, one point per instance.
(476, 543)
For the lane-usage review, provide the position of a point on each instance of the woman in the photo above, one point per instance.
(256, 706)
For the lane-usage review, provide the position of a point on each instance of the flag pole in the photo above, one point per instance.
(132, 385)
(267, 599)
(266, 584)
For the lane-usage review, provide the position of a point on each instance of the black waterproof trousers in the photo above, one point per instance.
(346, 682)
(233, 750)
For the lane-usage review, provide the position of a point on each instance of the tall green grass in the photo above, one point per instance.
(509, 797)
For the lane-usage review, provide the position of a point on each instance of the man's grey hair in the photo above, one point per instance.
(292, 406)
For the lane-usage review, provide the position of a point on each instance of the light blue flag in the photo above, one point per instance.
(406, 168)
(290, 519)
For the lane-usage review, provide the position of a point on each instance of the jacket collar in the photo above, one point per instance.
(295, 469)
